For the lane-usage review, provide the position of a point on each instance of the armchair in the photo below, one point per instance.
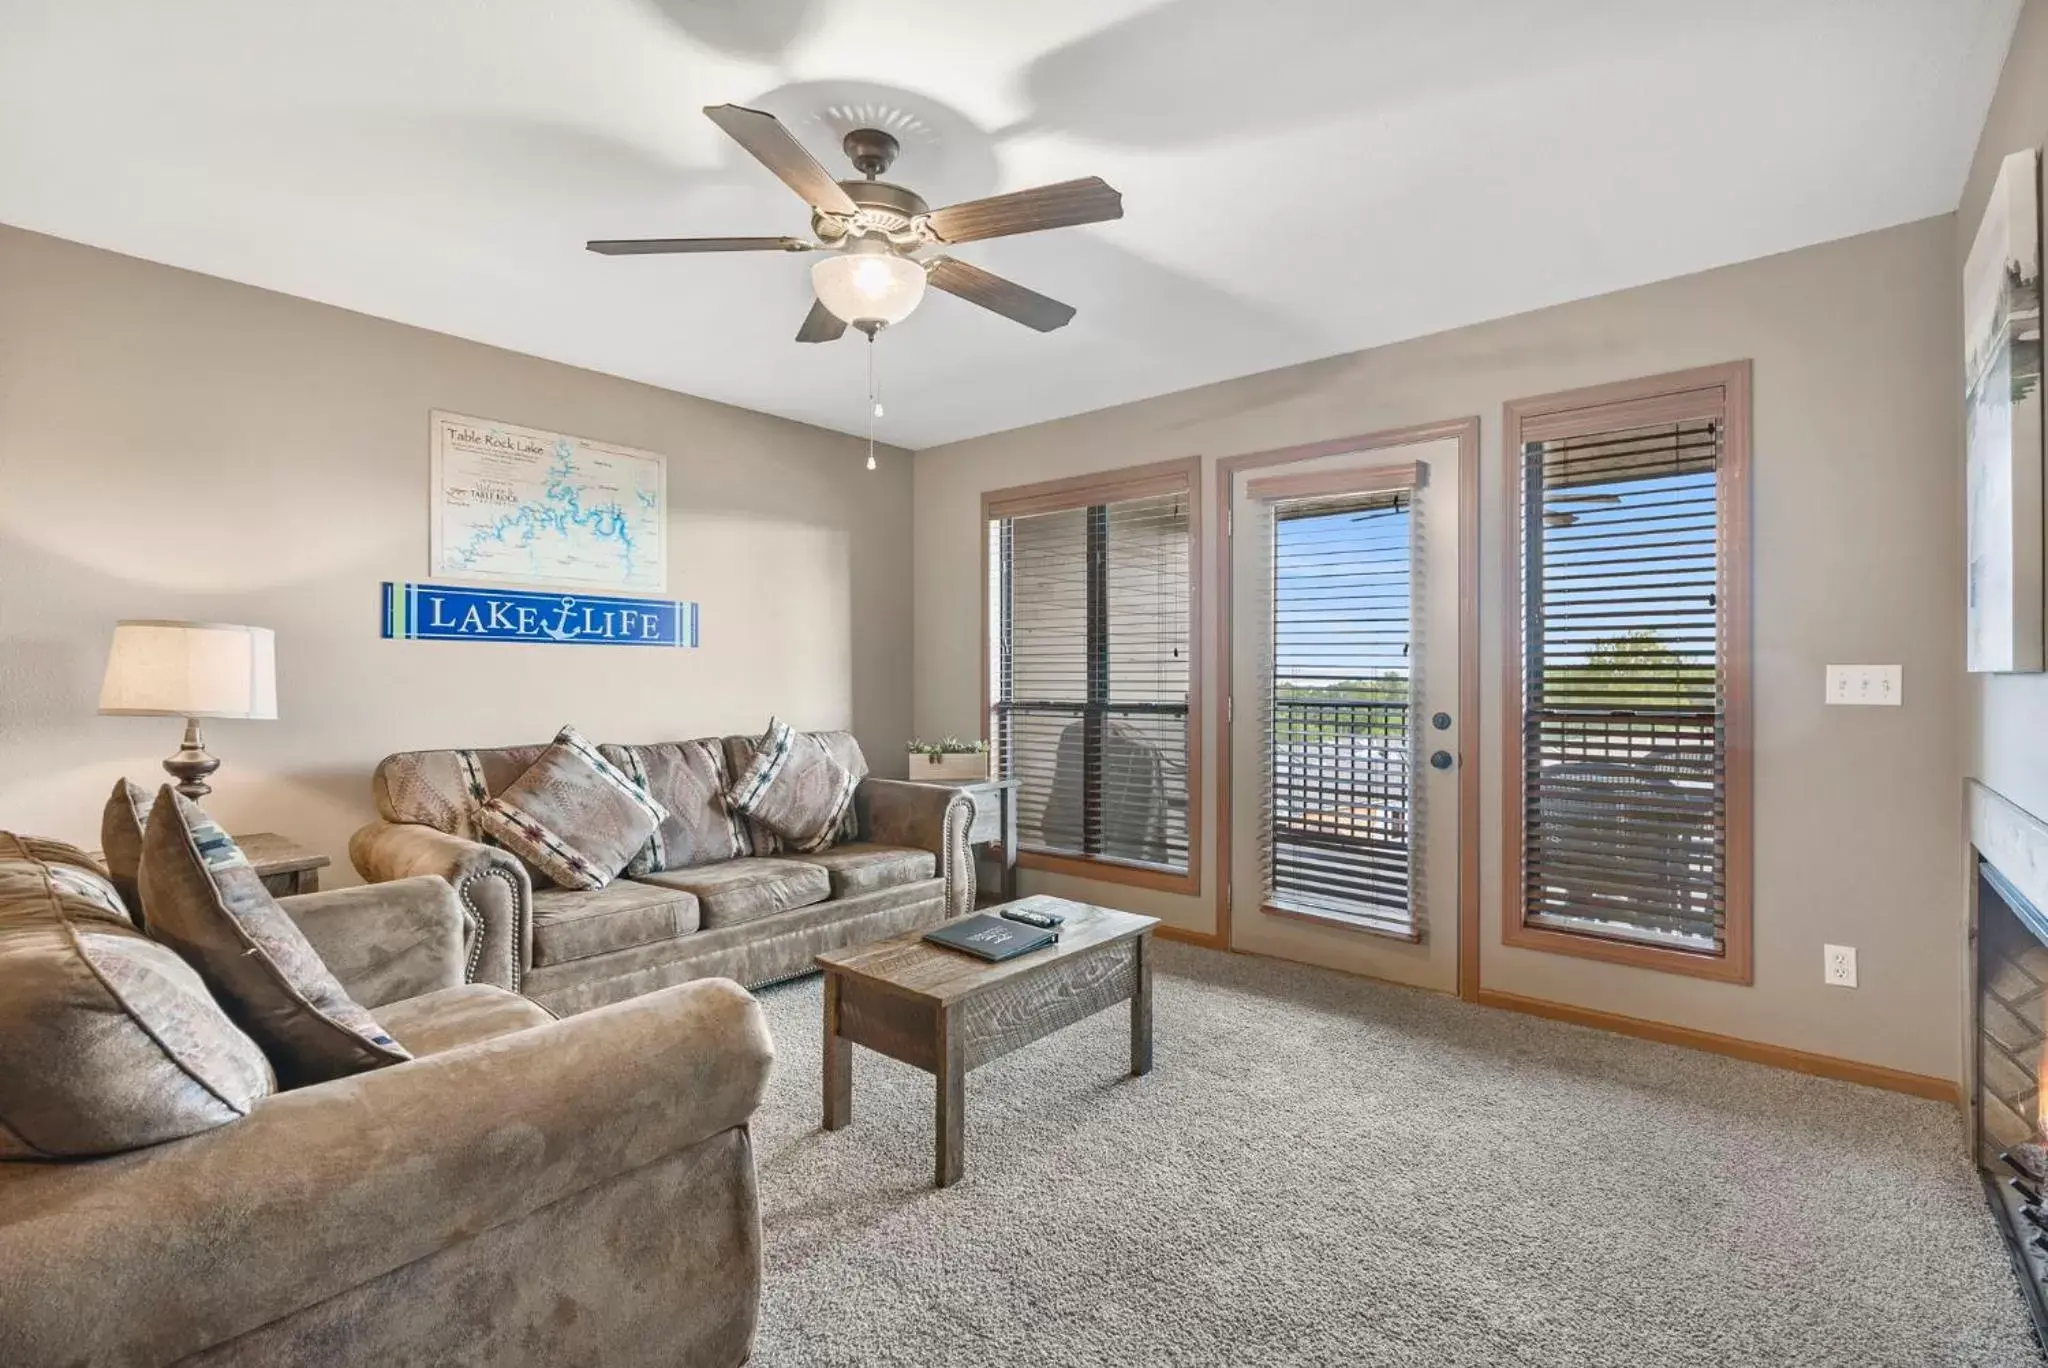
(525, 1190)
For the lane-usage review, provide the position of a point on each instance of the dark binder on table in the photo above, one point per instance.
(991, 938)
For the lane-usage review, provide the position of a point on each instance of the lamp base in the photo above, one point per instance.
(191, 765)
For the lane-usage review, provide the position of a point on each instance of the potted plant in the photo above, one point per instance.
(950, 759)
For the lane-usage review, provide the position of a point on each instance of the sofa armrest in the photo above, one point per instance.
(931, 817)
(386, 941)
(156, 1254)
(492, 886)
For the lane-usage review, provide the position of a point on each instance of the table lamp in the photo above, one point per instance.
(190, 670)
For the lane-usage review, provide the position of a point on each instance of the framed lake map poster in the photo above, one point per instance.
(2002, 424)
(518, 505)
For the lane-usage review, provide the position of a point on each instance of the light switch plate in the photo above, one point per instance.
(1867, 685)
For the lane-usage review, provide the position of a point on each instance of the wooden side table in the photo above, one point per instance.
(285, 867)
(995, 824)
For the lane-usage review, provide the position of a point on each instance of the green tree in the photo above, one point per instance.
(1634, 670)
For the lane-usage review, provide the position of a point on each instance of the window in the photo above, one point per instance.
(1628, 804)
(1339, 690)
(1092, 672)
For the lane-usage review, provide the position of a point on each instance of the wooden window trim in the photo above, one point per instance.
(1341, 923)
(1384, 480)
(1718, 391)
(1080, 491)
(1181, 476)
(1105, 869)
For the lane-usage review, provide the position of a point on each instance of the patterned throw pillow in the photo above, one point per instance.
(574, 817)
(794, 787)
(688, 778)
(209, 905)
(121, 823)
(112, 1042)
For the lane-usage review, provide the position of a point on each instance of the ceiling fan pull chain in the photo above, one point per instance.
(874, 401)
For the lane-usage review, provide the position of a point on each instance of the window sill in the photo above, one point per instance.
(1095, 867)
(1731, 966)
(1409, 936)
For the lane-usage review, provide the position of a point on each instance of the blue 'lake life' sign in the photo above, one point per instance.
(447, 612)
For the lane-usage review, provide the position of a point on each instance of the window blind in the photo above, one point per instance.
(1339, 709)
(1624, 702)
(1091, 676)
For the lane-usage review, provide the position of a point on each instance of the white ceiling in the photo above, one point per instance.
(1301, 177)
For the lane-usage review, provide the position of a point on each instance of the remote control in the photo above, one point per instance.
(1044, 921)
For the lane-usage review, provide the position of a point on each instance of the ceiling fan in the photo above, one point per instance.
(874, 230)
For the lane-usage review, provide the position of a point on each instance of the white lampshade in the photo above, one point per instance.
(191, 669)
(866, 282)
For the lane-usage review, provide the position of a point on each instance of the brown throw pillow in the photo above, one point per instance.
(121, 823)
(574, 817)
(208, 905)
(112, 1042)
(688, 778)
(794, 787)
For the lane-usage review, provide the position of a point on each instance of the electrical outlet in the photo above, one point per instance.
(1868, 685)
(1838, 968)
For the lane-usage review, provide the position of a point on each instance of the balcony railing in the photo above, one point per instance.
(1339, 807)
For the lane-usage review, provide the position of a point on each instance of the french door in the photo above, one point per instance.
(1345, 701)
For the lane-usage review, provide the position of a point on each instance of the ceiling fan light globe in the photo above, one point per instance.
(868, 287)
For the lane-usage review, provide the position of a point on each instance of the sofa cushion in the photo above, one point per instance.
(447, 1018)
(688, 778)
(862, 867)
(574, 817)
(112, 1041)
(753, 953)
(748, 889)
(570, 924)
(794, 787)
(210, 907)
(121, 823)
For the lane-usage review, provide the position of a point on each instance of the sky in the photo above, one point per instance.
(1342, 581)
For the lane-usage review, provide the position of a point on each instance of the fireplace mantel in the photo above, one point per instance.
(2014, 840)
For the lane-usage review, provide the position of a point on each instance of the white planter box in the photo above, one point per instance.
(965, 766)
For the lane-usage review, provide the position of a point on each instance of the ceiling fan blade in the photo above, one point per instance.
(998, 295)
(1089, 200)
(776, 148)
(656, 246)
(821, 325)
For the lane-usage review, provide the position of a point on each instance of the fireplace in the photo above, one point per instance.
(2011, 1035)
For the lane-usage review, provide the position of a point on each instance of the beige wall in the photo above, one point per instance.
(177, 446)
(1858, 559)
(2006, 716)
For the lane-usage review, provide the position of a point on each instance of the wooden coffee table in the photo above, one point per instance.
(946, 1012)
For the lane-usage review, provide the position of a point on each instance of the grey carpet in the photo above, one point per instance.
(1322, 1171)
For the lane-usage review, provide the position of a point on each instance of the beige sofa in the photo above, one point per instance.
(524, 1191)
(726, 901)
